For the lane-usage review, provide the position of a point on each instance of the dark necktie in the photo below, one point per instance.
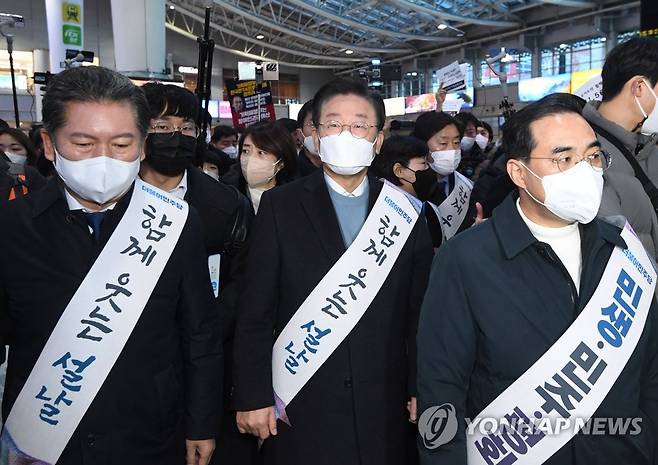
(94, 221)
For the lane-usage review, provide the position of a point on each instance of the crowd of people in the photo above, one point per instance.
(311, 291)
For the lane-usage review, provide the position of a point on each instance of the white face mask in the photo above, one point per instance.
(573, 195)
(345, 154)
(231, 151)
(212, 174)
(258, 172)
(309, 144)
(650, 125)
(467, 143)
(16, 158)
(97, 179)
(445, 162)
(482, 141)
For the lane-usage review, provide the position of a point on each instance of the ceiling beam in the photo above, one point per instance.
(446, 15)
(269, 23)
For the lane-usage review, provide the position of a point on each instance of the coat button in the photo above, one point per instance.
(348, 382)
(91, 440)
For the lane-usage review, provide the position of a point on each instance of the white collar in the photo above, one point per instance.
(337, 188)
(181, 189)
(74, 204)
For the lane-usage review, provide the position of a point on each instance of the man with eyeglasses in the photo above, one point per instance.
(171, 147)
(538, 332)
(336, 271)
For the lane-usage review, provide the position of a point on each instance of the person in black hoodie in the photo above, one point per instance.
(225, 216)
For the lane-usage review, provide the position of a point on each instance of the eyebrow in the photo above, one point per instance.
(335, 115)
(562, 149)
(89, 136)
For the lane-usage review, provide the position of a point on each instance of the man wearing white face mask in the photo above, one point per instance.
(626, 123)
(119, 300)
(347, 372)
(448, 198)
(521, 311)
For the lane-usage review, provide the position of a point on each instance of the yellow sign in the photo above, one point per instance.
(580, 78)
(71, 13)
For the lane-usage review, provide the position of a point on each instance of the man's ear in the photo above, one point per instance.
(316, 139)
(516, 172)
(48, 145)
(378, 142)
(397, 169)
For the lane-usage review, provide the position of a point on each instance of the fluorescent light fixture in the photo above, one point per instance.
(442, 26)
(376, 61)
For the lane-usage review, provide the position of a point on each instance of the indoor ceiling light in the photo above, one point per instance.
(442, 26)
(349, 51)
(260, 37)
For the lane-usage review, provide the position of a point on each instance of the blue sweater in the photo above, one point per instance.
(351, 213)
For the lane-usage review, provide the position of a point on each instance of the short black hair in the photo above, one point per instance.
(489, 129)
(346, 86)
(273, 138)
(171, 100)
(465, 118)
(91, 84)
(222, 131)
(397, 149)
(290, 124)
(303, 113)
(428, 124)
(636, 57)
(518, 142)
(3, 124)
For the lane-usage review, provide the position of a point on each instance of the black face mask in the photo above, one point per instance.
(169, 154)
(425, 184)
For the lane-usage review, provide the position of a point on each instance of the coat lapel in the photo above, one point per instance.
(322, 216)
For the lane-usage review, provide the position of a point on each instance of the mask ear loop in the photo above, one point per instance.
(526, 189)
(276, 171)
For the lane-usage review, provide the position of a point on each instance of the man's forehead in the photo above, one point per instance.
(349, 103)
(562, 129)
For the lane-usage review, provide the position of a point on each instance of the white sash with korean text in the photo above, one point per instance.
(93, 329)
(453, 209)
(342, 297)
(554, 399)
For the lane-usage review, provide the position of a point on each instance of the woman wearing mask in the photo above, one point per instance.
(449, 194)
(18, 158)
(403, 161)
(17, 147)
(268, 158)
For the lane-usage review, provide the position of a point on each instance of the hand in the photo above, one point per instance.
(199, 452)
(479, 217)
(261, 423)
(412, 409)
(440, 98)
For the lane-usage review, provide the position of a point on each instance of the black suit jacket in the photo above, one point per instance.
(226, 215)
(353, 410)
(164, 386)
(497, 300)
